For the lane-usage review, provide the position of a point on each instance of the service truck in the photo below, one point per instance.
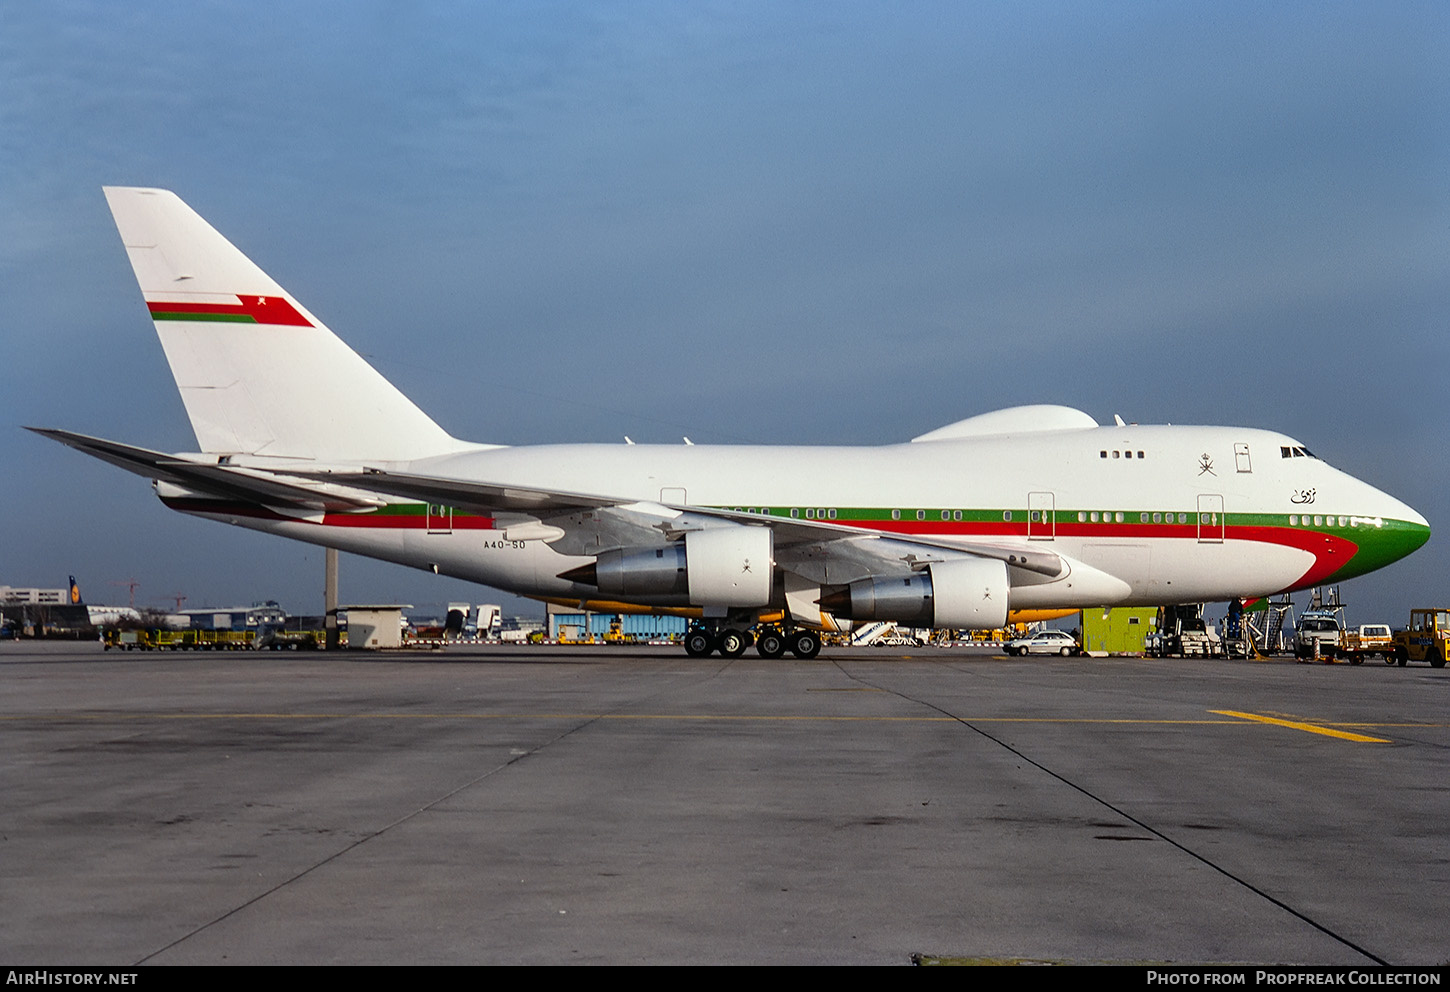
(1369, 640)
(1317, 635)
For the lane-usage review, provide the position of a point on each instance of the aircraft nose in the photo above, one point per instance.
(1418, 526)
(1398, 530)
(1415, 517)
(1404, 513)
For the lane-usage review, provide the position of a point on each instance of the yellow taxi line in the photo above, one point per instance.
(1306, 727)
(1228, 718)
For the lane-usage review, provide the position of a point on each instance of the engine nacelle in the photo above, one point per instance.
(730, 566)
(966, 593)
(721, 566)
(641, 572)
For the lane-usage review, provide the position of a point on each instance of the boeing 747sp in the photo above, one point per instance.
(1029, 508)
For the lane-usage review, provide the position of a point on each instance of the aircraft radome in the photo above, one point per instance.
(1030, 508)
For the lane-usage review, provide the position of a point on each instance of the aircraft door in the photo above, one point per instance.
(1210, 518)
(1041, 516)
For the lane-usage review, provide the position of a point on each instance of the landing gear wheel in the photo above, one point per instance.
(770, 643)
(733, 642)
(699, 643)
(804, 644)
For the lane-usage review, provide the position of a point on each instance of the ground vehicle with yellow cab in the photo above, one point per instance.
(1427, 638)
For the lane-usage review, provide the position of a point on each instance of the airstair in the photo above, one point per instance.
(871, 633)
(1278, 616)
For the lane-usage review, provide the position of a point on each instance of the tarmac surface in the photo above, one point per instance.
(630, 805)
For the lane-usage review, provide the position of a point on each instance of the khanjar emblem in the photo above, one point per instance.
(1205, 464)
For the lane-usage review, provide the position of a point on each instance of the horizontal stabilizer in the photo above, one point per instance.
(224, 481)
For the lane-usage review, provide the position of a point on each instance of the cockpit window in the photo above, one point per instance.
(1297, 451)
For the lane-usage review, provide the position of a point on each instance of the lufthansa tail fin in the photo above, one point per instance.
(259, 374)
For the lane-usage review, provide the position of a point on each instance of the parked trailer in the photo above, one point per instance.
(130, 640)
(165, 639)
(204, 640)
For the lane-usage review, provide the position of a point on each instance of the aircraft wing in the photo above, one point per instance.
(476, 497)
(818, 548)
(217, 478)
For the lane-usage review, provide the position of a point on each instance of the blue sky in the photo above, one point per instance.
(742, 222)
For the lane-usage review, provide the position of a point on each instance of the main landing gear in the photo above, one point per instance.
(770, 641)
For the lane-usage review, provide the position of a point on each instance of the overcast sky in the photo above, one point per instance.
(765, 222)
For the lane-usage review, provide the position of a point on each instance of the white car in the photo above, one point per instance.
(1045, 642)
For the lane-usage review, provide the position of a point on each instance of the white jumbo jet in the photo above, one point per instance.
(1029, 508)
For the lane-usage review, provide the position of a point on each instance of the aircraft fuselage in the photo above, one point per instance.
(1180, 514)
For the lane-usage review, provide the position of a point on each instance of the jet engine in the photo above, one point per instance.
(720, 566)
(968, 593)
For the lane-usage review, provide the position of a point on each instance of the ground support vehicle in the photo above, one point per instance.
(1369, 640)
(1318, 635)
(1426, 639)
(1182, 633)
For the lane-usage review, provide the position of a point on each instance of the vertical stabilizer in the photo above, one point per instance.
(258, 373)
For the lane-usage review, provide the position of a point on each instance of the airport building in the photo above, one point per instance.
(34, 612)
(575, 625)
(230, 618)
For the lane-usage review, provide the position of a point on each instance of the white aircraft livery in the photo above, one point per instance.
(1030, 508)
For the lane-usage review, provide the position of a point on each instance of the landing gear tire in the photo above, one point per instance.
(770, 643)
(805, 644)
(699, 643)
(733, 642)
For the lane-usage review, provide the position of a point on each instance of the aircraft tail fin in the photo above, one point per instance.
(259, 374)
